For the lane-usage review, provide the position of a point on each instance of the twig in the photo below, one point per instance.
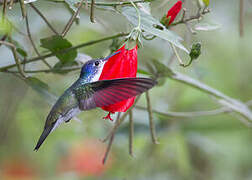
(70, 22)
(2, 69)
(7, 44)
(11, 4)
(17, 60)
(241, 18)
(197, 113)
(151, 123)
(131, 133)
(177, 55)
(108, 149)
(53, 70)
(110, 142)
(92, 11)
(3, 39)
(44, 18)
(120, 121)
(114, 4)
(189, 114)
(184, 20)
(115, 126)
(32, 42)
(234, 104)
(25, 59)
(22, 6)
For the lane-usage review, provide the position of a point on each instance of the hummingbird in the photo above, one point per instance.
(88, 92)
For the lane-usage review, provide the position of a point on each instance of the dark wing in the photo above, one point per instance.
(108, 92)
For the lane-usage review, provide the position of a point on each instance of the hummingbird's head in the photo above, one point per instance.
(92, 69)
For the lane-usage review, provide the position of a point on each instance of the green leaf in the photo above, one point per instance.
(20, 48)
(141, 71)
(161, 69)
(37, 84)
(42, 88)
(57, 43)
(206, 26)
(57, 68)
(151, 25)
(206, 2)
(5, 26)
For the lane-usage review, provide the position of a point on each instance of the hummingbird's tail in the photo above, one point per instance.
(43, 136)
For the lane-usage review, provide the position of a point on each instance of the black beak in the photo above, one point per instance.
(106, 58)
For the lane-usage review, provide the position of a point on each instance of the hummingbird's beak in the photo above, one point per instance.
(106, 58)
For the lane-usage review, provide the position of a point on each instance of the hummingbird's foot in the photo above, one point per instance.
(108, 117)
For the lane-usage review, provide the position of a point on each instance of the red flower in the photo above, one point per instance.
(121, 65)
(173, 12)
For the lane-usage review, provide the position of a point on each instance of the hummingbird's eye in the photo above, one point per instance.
(97, 63)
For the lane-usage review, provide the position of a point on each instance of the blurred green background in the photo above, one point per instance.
(205, 147)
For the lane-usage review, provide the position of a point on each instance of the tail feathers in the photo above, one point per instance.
(43, 136)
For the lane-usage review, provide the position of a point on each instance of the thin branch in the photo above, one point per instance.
(53, 70)
(2, 69)
(24, 65)
(120, 121)
(70, 22)
(151, 123)
(108, 148)
(234, 104)
(22, 6)
(7, 44)
(171, 114)
(241, 18)
(114, 4)
(44, 18)
(11, 4)
(92, 11)
(17, 60)
(184, 20)
(131, 133)
(32, 42)
(193, 114)
(110, 142)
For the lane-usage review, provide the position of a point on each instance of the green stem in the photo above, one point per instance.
(131, 133)
(151, 123)
(177, 55)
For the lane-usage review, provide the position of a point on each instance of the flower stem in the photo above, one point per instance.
(131, 133)
(152, 126)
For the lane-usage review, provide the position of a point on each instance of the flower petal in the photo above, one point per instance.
(122, 65)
